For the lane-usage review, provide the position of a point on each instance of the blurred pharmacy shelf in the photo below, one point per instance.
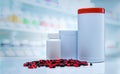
(112, 21)
(55, 8)
(21, 27)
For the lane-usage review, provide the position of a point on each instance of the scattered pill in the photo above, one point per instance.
(55, 63)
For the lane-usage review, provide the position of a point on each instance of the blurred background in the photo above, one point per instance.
(24, 25)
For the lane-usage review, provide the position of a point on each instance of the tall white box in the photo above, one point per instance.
(68, 44)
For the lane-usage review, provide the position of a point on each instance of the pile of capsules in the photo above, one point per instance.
(55, 63)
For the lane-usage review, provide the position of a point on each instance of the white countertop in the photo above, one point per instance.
(14, 65)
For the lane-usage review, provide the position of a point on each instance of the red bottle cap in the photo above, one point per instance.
(91, 10)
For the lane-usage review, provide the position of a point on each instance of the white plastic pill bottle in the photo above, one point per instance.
(53, 46)
(91, 34)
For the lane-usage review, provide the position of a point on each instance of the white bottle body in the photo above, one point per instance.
(53, 49)
(91, 37)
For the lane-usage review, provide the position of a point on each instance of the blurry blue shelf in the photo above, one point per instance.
(46, 7)
(16, 27)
